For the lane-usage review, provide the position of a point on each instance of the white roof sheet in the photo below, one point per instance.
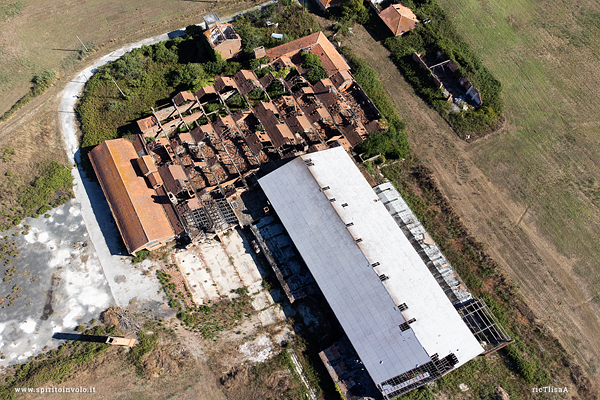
(342, 268)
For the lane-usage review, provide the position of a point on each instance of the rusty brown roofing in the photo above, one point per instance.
(155, 179)
(399, 19)
(264, 111)
(147, 123)
(146, 164)
(182, 97)
(173, 177)
(197, 134)
(254, 143)
(204, 91)
(224, 81)
(340, 79)
(140, 219)
(246, 81)
(326, 52)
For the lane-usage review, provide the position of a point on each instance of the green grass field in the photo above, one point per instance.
(545, 54)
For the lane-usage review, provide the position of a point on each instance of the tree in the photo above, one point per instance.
(354, 10)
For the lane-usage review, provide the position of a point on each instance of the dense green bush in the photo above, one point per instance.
(317, 72)
(292, 22)
(55, 178)
(41, 82)
(393, 143)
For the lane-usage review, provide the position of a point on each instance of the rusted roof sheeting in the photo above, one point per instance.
(139, 218)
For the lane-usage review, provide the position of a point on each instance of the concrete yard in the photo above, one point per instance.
(233, 265)
(216, 268)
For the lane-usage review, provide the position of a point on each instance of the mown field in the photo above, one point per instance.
(41, 35)
(546, 55)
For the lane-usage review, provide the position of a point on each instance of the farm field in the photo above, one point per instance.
(529, 191)
(41, 35)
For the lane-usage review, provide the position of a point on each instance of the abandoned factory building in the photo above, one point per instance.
(398, 318)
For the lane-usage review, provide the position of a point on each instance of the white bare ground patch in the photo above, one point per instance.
(257, 350)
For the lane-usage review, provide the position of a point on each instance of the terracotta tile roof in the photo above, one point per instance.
(146, 164)
(186, 137)
(260, 52)
(155, 179)
(330, 58)
(147, 123)
(140, 219)
(182, 97)
(204, 91)
(342, 80)
(399, 19)
(222, 82)
(174, 178)
(324, 4)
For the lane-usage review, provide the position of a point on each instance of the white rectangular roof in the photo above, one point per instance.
(366, 307)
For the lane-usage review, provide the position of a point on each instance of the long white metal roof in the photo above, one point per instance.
(317, 196)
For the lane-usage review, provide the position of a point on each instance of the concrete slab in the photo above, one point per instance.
(262, 300)
(222, 271)
(244, 257)
(198, 278)
(267, 317)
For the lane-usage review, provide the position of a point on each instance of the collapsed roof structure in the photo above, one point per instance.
(224, 39)
(205, 145)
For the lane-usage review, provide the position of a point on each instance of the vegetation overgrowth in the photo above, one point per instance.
(393, 143)
(148, 76)
(51, 189)
(536, 357)
(440, 35)
(286, 17)
(437, 35)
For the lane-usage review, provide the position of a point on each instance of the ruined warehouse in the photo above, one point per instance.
(396, 315)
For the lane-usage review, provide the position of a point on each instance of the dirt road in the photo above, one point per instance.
(545, 277)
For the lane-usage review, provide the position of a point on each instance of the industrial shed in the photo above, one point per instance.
(397, 318)
(139, 215)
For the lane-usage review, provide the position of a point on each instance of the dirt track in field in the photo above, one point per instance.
(546, 278)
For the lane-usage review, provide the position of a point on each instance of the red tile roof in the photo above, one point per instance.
(318, 44)
(141, 220)
(399, 19)
(182, 97)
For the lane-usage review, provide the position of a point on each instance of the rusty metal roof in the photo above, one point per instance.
(140, 219)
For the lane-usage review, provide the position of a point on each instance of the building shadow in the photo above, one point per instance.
(101, 210)
(79, 337)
